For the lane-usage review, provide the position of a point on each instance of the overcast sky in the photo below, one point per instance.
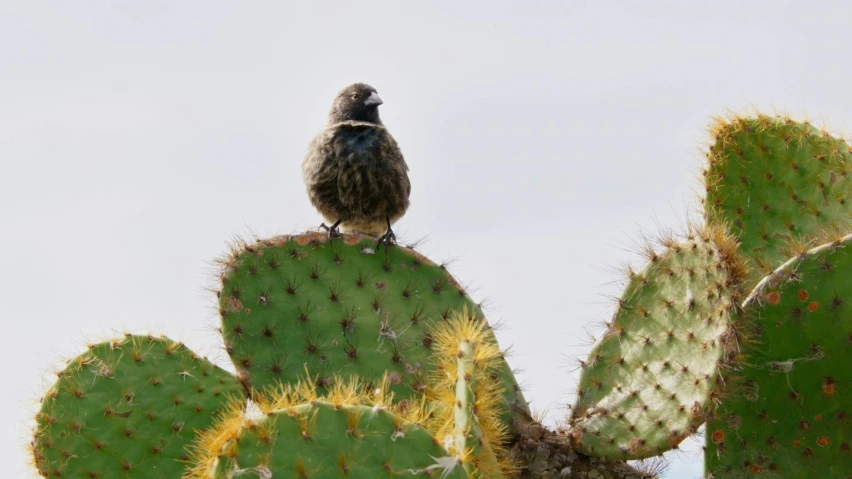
(136, 138)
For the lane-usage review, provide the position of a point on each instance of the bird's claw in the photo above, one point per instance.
(333, 230)
(389, 238)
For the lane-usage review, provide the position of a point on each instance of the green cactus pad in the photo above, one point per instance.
(323, 440)
(296, 303)
(127, 408)
(787, 410)
(776, 182)
(649, 382)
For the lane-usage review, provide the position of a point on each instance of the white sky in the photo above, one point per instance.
(137, 137)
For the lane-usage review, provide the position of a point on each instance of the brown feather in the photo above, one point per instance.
(354, 172)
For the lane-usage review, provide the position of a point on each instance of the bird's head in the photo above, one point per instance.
(357, 102)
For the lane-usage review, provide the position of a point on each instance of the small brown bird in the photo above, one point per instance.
(354, 171)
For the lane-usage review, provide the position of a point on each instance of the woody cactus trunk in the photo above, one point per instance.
(355, 362)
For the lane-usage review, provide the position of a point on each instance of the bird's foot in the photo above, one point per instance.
(388, 238)
(333, 230)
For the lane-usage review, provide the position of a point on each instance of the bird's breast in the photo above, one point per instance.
(358, 145)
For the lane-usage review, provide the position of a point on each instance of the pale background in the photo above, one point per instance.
(136, 138)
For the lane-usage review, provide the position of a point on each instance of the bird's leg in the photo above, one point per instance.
(333, 232)
(388, 238)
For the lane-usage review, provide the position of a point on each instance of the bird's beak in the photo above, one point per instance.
(373, 99)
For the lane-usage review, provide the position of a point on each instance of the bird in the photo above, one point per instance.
(354, 171)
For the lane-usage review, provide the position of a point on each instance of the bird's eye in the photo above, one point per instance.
(354, 96)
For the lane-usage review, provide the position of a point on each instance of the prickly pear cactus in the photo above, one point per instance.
(351, 433)
(339, 308)
(786, 411)
(650, 381)
(128, 408)
(776, 182)
(375, 363)
(471, 429)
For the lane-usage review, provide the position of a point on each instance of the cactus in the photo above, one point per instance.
(354, 431)
(466, 357)
(320, 440)
(339, 308)
(787, 411)
(127, 408)
(648, 384)
(776, 181)
(784, 187)
(366, 363)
